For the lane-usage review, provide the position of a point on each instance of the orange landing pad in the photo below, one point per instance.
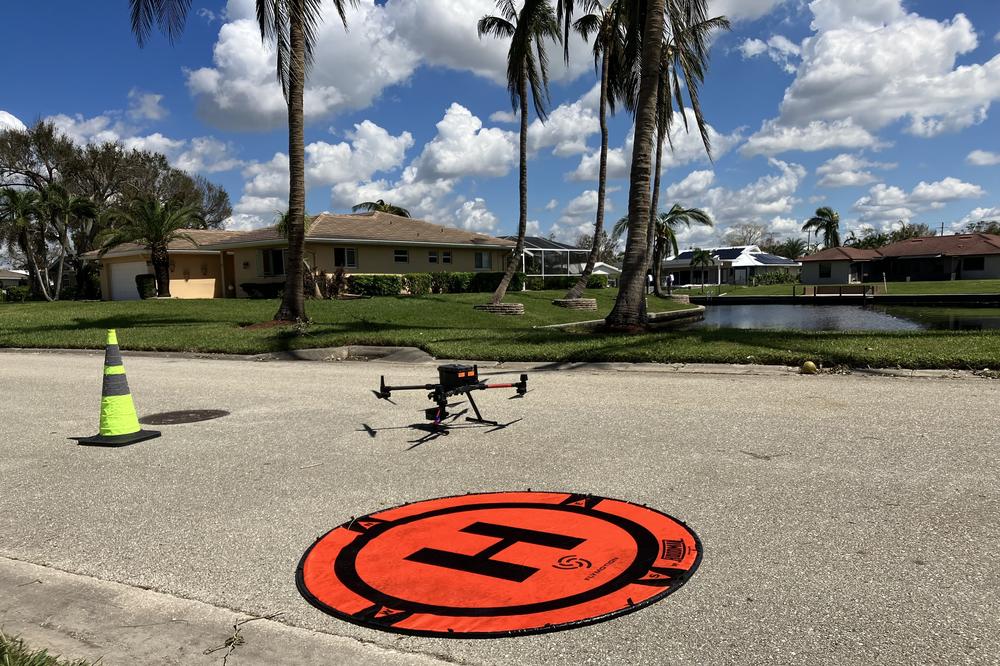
(498, 564)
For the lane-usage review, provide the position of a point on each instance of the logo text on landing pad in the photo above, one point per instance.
(498, 564)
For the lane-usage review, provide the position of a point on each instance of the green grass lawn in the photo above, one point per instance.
(939, 287)
(447, 327)
(13, 652)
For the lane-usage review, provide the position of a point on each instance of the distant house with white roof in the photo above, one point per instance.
(730, 265)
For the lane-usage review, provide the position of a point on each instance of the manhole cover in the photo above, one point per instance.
(498, 564)
(186, 416)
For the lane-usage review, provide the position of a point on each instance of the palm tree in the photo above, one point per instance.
(665, 235)
(527, 69)
(702, 258)
(381, 206)
(154, 225)
(292, 24)
(666, 238)
(309, 276)
(605, 23)
(827, 222)
(685, 56)
(629, 308)
(64, 209)
(19, 210)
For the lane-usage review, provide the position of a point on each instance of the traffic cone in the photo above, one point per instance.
(119, 423)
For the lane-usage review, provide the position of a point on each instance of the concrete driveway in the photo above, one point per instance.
(845, 519)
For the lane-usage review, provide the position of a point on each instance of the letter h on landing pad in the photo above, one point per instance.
(482, 563)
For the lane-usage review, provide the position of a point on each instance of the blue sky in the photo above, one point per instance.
(879, 108)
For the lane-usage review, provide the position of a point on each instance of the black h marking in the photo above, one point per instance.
(482, 563)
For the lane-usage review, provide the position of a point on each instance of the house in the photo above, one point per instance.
(219, 263)
(195, 272)
(9, 278)
(730, 265)
(838, 265)
(957, 257)
(613, 272)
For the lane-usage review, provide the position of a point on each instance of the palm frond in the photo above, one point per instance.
(168, 15)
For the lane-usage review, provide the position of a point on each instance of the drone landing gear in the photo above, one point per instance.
(479, 417)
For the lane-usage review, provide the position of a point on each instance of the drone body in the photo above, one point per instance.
(454, 379)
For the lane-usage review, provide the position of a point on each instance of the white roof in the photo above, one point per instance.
(602, 268)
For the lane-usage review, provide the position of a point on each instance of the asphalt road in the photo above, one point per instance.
(845, 519)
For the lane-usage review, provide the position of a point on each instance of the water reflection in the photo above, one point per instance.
(849, 318)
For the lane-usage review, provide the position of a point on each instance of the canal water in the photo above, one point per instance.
(849, 317)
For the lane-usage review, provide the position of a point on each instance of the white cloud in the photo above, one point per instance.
(145, 106)
(687, 149)
(886, 203)
(207, 155)
(87, 130)
(578, 217)
(352, 68)
(504, 117)
(759, 201)
(568, 126)
(846, 170)
(9, 121)
(743, 10)
(774, 138)
(872, 64)
(475, 216)
(778, 48)
(983, 158)
(463, 147)
(693, 185)
(977, 215)
(552, 204)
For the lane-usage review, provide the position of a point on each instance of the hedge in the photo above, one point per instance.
(375, 285)
(263, 289)
(418, 284)
(565, 282)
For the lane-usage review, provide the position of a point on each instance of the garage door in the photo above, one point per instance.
(123, 280)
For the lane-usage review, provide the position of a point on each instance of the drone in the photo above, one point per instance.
(454, 380)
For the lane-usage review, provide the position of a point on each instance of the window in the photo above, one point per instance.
(345, 257)
(401, 256)
(432, 257)
(974, 264)
(446, 257)
(825, 270)
(484, 261)
(272, 262)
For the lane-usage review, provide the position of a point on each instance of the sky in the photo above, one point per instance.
(881, 109)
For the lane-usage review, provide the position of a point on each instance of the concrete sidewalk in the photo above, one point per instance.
(845, 519)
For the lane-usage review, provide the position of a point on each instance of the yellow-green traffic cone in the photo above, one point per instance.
(119, 422)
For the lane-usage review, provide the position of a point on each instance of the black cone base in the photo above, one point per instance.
(118, 440)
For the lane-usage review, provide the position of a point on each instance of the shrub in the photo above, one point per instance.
(456, 283)
(774, 277)
(375, 285)
(146, 284)
(263, 289)
(18, 294)
(482, 282)
(418, 284)
(559, 282)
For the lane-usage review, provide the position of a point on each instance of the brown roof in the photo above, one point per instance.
(373, 228)
(953, 246)
(11, 275)
(842, 254)
(199, 236)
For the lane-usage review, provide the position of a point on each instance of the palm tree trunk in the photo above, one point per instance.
(629, 309)
(161, 269)
(658, 269)
(293, 302)
(654, 206)
(602, 184)
(522, 222)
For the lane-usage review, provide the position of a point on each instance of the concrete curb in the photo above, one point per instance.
(414, 356)
(656, 319)
(78, 617)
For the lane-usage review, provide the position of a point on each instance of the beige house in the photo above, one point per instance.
(194, 271)
(221, 262)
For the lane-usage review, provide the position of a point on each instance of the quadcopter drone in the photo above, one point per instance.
(453, 380)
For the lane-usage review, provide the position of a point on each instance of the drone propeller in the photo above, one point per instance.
(383, 396)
